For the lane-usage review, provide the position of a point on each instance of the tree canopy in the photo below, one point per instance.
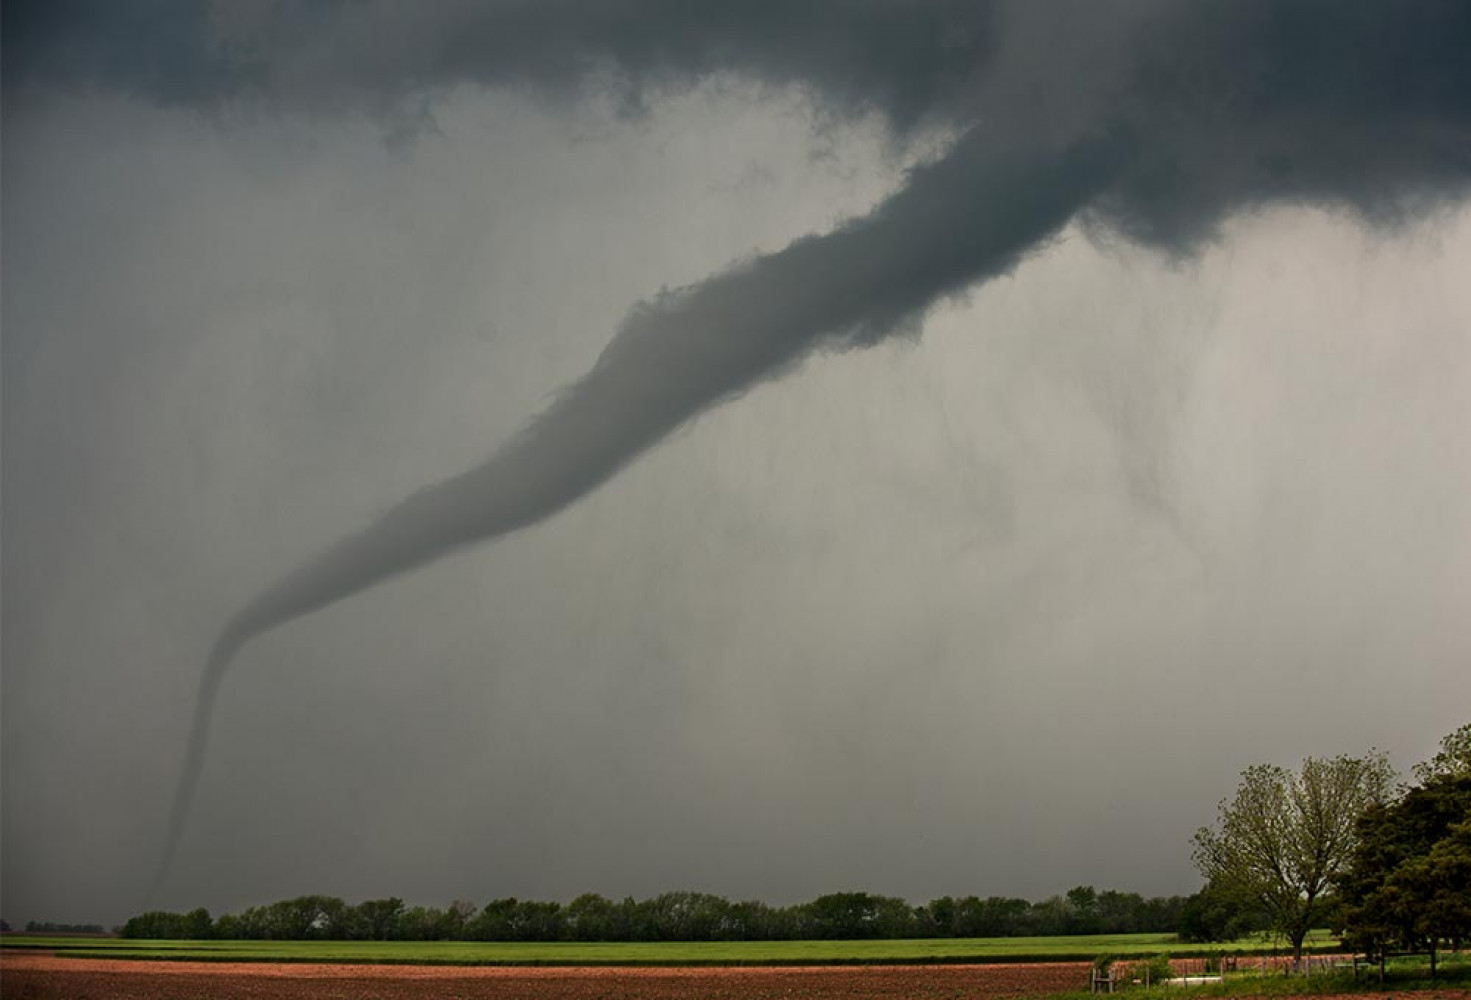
(1408, 886)
(676, 916)
(1285, 836)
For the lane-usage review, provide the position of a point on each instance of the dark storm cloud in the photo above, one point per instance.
(1151, 120)
(900, 60)
(1239, 105)
(1229, 104)
(155, 48)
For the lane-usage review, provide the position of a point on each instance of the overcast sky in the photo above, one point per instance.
(936, 447)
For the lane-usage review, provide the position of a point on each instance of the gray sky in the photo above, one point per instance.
(1117, 445)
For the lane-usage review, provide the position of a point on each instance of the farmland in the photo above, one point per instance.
(27, 976)
(32, 973)
(686, 953)
(118, 969)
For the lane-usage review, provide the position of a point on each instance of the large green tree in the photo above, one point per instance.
(1408, 886)
(1286, 835)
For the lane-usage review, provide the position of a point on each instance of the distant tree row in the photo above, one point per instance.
(675, 916)
(47, 927)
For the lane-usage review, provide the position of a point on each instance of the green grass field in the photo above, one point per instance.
(1037, 949)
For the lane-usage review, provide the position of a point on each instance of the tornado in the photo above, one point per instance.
(970, 216)
(1147, 121)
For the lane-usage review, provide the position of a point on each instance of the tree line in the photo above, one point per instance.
(674, 916)
(50, 927)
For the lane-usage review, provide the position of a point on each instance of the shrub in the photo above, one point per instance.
(1148, 971)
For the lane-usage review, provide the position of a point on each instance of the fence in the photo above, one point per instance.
(1189, 971)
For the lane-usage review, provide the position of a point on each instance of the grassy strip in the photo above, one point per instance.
(1405, 975)
(690, 953)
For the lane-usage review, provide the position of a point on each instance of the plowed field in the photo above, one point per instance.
(23, 977)
(33, 977)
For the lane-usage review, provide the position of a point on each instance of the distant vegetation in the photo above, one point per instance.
(676, 916)
(47, 927)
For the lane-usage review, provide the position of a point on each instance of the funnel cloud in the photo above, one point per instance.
(688, 350)
(1150, 125)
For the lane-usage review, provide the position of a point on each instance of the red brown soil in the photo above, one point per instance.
(32, 977)
(23, 977)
